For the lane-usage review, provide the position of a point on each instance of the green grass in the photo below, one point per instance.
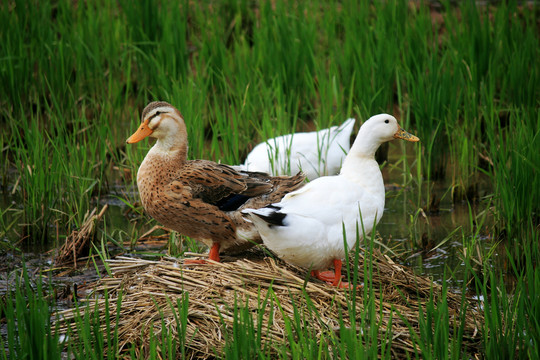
(512, 318)
(241, 72)
(74, 79)
(30, 333)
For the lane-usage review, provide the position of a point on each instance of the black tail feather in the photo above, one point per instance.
(274, 218)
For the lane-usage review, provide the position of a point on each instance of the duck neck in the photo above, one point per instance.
(165, 159)
(360, 166)
(175, 142)
(364, 145)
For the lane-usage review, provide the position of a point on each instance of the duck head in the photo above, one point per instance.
(379, 129)
(162, 121)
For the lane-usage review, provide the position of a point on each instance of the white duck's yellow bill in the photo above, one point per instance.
(142, 132)
(402, 134)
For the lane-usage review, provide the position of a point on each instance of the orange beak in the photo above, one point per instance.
(402, 134)
(142, 132)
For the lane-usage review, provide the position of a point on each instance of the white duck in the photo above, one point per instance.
(306, 227)
(316, 153)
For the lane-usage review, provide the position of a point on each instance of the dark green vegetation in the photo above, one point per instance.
(75, 76)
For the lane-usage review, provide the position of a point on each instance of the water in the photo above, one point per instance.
(433, 244)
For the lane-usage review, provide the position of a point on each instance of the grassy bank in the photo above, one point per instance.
(245, 328)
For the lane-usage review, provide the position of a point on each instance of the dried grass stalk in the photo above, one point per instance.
(79, 240)
(148, 287)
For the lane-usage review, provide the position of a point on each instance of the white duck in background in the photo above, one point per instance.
(316, 153)
(306, 227)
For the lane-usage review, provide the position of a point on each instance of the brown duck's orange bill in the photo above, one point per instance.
(142, 132)
(402, 134)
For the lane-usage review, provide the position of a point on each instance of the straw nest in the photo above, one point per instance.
(148, 288)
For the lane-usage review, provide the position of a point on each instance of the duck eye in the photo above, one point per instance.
(386, 121)
(157, 113)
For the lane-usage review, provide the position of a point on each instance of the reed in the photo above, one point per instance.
(515, 164)
(30, 333)
(512, 321)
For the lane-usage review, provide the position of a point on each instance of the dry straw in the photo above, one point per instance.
(149, 287)
(79, 240)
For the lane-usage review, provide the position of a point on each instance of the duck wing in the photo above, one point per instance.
(219, 184)
(330, 200)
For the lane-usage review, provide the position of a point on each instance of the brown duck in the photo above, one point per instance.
(199, 198)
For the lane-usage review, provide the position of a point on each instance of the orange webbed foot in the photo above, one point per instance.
(333, 278)
(195, 261)
(326, 276)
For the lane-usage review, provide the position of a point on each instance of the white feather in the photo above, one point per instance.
(316, 153)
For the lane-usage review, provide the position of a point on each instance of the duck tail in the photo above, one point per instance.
(269, 214)
(346, 127)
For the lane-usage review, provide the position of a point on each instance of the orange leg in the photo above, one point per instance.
(214, 252)
(212, 255)
(337, 278)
